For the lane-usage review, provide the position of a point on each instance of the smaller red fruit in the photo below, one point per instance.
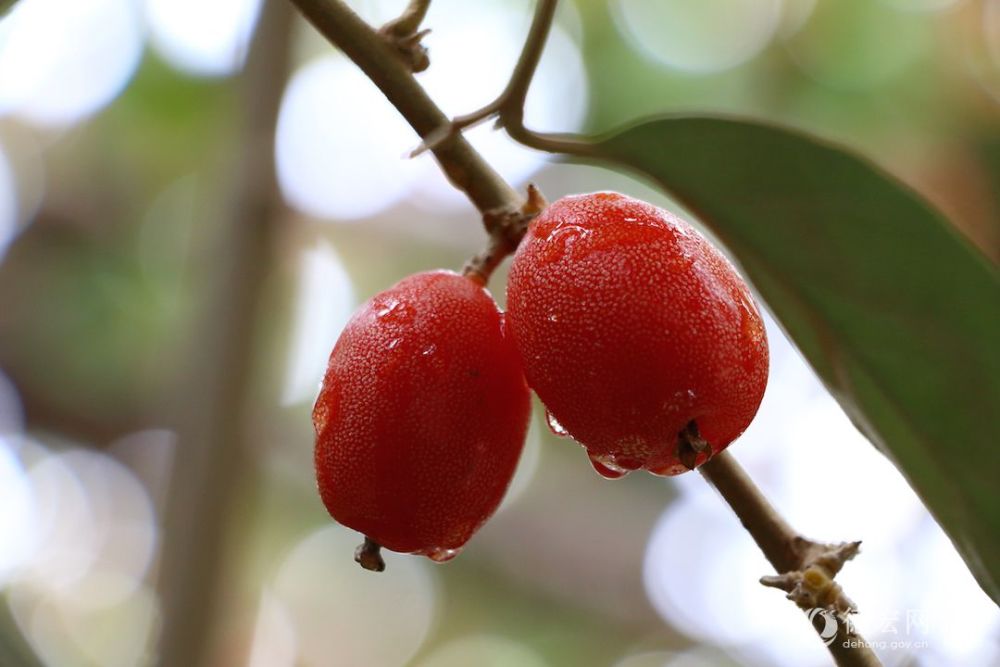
(637, 334)
(421, 417)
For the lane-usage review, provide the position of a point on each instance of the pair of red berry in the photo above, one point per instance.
(638, 336)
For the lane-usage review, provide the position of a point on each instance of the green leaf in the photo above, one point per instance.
(897, 313)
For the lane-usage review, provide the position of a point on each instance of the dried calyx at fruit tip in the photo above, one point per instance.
(369, 555)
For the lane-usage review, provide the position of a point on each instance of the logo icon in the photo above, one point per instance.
(830, 624)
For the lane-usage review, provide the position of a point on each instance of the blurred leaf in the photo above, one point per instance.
(6, 6)
(164, 125)
(86, 329)
(898, 314)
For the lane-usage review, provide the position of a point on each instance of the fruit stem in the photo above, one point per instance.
(506, 231)
(369, 555)
(805, 568)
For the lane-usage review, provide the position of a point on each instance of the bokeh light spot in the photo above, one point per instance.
(274, 642)
(794, 14)
(700, 37)
(8, 205)
(340, 146)
(202, 38)
(80, 596)
(18, 520)
(324, 304)
(343, 616)
(55, 71)
(858, 44)
(467, 49)
(341, 149)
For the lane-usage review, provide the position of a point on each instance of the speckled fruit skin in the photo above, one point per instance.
(421, 417)
(630, 325)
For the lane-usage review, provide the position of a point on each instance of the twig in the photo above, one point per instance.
(805, 568)
(508, 107)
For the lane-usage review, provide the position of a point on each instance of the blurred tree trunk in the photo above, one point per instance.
(212, 397)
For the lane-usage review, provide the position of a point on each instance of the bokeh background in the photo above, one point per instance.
(194, 196)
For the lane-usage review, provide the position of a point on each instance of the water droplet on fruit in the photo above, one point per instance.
(394, 310)
(554, 426)
(746, 304)
(606, 467)
(387, 307)
(680, 400)
(429, 350)
(393, 343)
(561, 239)
(442, 555)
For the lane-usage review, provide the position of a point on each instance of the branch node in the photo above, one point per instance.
(812, 585)
(536, 202)
(403, 34)
(455, 127)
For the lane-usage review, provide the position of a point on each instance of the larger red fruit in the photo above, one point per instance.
(633, 328)
(421, 417)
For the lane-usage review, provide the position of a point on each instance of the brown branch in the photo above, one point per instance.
(806, 568)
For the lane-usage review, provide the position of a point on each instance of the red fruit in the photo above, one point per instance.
(631, 326)
(421, 417)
